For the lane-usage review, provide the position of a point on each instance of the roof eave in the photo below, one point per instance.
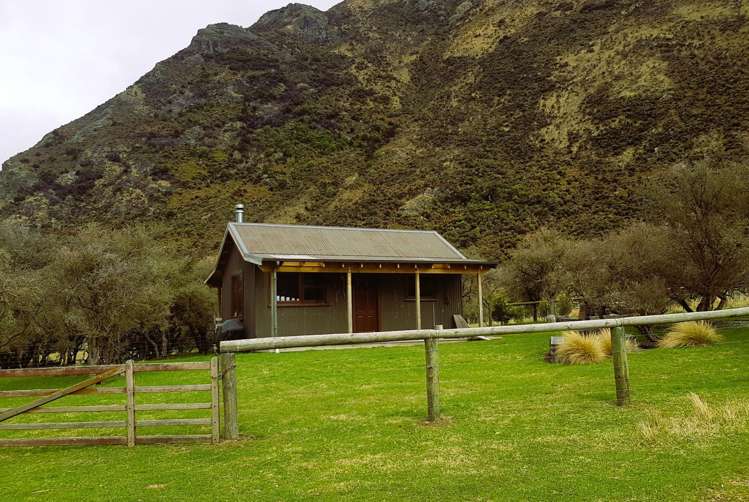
(409, 261)
(246, 255)
(213, 279)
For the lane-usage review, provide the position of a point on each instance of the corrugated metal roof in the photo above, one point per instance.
(309, 243)
(259, 242)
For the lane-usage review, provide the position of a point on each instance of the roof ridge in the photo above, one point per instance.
(290, 225)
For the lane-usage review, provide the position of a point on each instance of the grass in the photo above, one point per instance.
(690, 334)
(703, 420)
(348, 424)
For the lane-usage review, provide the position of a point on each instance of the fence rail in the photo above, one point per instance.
(96, 369)
(286, 342)
(131, 423)
(431, 338)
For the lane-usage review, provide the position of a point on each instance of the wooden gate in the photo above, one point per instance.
(129, 408)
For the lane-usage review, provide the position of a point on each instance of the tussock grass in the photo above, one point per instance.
(603, 336)
(701, 409)
(577, 348)
(703, 420)
(690, 334)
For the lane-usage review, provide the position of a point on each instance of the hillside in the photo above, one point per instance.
(483, 119)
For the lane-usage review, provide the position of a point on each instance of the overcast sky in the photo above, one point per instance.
(61, 58)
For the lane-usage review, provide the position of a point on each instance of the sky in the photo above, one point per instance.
(59, 59)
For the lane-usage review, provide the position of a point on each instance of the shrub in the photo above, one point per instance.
(579, 349)
(564, 304)
(690, 334)
(603, 336)
(500, 308)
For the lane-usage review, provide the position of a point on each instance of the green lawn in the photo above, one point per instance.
(349, 424)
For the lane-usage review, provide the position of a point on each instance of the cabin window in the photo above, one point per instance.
(300, 289)
(237, 297)
(428, 287)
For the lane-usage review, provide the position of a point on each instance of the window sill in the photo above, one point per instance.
(298, 305)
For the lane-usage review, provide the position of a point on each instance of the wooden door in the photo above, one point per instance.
(366, 308)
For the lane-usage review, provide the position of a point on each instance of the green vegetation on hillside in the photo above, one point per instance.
(350, 424)
(691, 252)
(484, 120)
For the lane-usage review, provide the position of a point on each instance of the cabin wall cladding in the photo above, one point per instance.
(235, 265)
(396, 309)
(301, 320)
(249, 277)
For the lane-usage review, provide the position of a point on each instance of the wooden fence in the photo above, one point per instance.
(431, 338)
(130, 423)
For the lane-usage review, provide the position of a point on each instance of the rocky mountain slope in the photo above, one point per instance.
(483, 119)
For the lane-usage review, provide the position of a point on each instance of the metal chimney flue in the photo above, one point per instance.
(239, 213)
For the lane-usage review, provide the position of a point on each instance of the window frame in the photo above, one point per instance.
(411, 288)
(300, 285)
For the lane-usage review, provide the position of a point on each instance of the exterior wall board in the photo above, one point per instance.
(233, 267)
(249, 276)
(299, 319)
(396, 310)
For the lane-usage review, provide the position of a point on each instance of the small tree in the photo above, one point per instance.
(704, 210)
(113, 282)
(24, 341)
(193, 307)
(500, 308)
(637, 256)
(531, 273)
(587, 276)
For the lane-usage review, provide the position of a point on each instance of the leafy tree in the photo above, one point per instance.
(586, 275)
(531, 274)
(23, 339)
(619, 273)
(111, 293)
(500, 308)
(193, 308)
(7, 287)
(637, 256)
(563, 304)
(704, 210)
(112, 282)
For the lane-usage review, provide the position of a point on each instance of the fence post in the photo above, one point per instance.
(229, 383)
(621, 366)
(431, 346)
(215, 425)
(130, 384)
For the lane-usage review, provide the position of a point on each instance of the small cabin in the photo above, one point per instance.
(285, 280)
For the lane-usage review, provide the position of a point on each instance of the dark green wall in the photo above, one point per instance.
(396, 311)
